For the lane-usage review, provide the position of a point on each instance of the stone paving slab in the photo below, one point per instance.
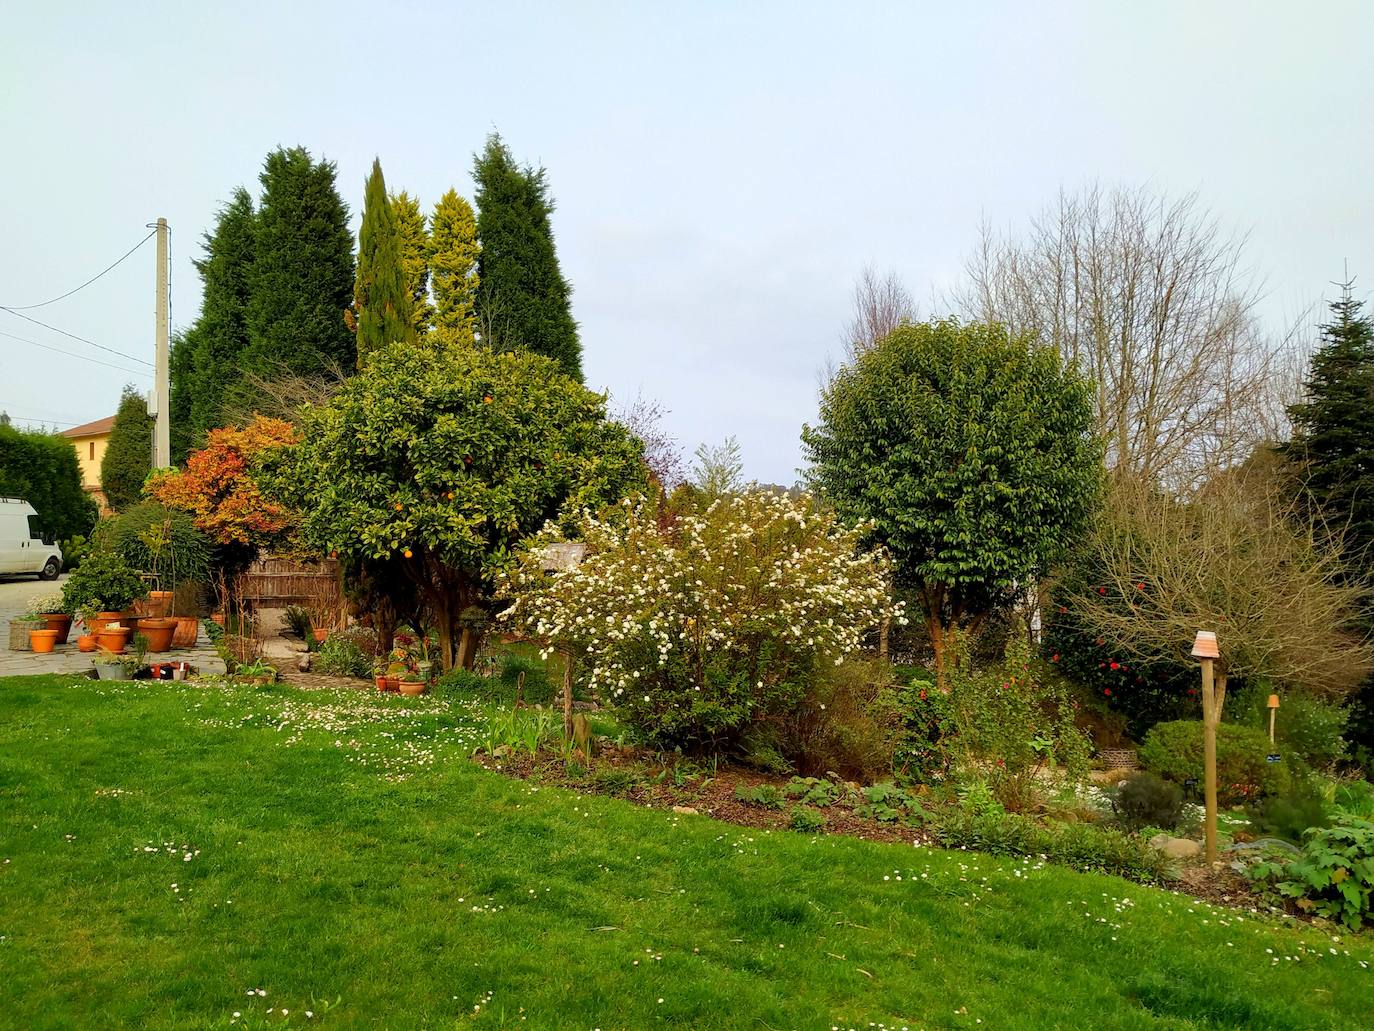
(68, 659)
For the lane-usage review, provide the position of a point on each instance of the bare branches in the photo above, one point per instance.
(1154, 303)
(1236, 557)
(881, 304)
(662, 453)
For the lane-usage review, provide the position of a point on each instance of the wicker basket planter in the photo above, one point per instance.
(1119, 758)
(19, 633)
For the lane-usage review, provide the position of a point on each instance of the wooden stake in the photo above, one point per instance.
(1210, 718)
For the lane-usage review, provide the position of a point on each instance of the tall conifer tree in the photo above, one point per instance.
(301, 279)
(129, 455)
(523, 300)
(454, 252)
(381, 302)
(414, 240)
(1334, 425)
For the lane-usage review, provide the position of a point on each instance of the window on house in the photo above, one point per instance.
(92, 451)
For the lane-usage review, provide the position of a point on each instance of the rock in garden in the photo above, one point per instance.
(1176, 848)
(685, 810)
(303, 663)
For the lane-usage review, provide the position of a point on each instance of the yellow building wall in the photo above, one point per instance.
(89, 453)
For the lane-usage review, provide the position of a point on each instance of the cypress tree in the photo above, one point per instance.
(454, 252)
(211, 371)
(1334, 426)
(414, 239)
(381, 304)
(523, 300)
(129, 455)
(301, 277)
(42, 469)
(180, 371)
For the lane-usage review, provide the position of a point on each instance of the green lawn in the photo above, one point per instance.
(176, 855)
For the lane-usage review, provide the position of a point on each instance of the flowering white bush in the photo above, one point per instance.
(700, 625)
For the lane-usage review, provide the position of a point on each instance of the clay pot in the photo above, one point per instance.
(381, 683)
(59, 621)
(104, 619)
(188, 629)
(411, 688)
(158, 631)
(217, 617)
(393, 684)
(320, 635)
(86, 643)
(113, 638)
(42, 641)
(159, 603)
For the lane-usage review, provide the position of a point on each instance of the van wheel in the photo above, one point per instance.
(50, 570)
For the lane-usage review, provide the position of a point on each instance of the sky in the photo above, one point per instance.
(722, 171)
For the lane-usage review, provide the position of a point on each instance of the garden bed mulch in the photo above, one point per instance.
(707, 794)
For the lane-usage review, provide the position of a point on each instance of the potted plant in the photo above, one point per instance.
(86, 642)
(42, 640)
(157, 625)
(112, 666)
(257, 671)
(111, 637)
(410, 685)
(105, 584)
(52, 610)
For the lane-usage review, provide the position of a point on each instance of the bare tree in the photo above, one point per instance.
(881, 304)
(1237, 557)
(1153, 301)
(662, 452)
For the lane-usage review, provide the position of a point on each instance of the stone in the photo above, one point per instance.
(1176, 848)
(303, 663)
(278, 649)
(685, 810)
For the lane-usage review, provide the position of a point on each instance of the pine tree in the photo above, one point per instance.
(1334, 426)
(180, 371)
(381, 303)
(301, 278)
(454, 253)
(129, 455)
(414, 238)
(523, 301)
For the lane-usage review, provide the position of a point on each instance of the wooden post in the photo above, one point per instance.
(1209, 757)
(567, 696)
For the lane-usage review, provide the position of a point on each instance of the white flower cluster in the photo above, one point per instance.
(759, 574)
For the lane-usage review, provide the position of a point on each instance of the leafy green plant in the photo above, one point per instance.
(977, 799)
(1292, 815)
(341, 656)
(1174, 751)
(888, 803)
(1306, 726)
(1145, 799)
(1333, 878)
(812, 791)
(256, 668)
(162, 542)
(105, 583)
(74, 551)
(1080, 845)
(806, 819)
(297, 619)
(765, 795)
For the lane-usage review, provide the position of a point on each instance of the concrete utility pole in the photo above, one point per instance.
(162, 434)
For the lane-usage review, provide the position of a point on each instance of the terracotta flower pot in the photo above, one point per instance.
(113, 638)
(320, 635)
(159, 603)
(61, 622)
(158, 631)
(217, 617)
(411, 687)
(381, 683)
(188, 629)
(393, 684)
(104, 619)
(42, 641)
(86, 643)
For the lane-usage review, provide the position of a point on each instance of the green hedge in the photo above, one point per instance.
(185, 557)
(1174, 751)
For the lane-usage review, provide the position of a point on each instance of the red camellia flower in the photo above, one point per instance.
(1140, 587)
(1102, 590)
(1107, 690)
(1116, 665)
(923, 696)
(1054, 657)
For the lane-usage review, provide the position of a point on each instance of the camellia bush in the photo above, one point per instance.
(702, 629)
(436, 461)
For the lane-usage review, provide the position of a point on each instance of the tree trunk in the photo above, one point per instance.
(444, 616)
(469, 641)
(568, 695)
(882, 638)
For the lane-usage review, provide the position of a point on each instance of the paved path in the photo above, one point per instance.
(15, 593)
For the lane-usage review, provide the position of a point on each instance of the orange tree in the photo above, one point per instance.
(440, 459)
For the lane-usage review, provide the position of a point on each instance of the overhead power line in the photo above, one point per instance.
(60, 297)
(81, 357)
(111, 350)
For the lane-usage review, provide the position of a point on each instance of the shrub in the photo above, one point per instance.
(1079, 845)
(74, 551)
(464, 682)
(1174, 750)
(1333, 878)
(845, 722)
(1008, 723)
(806, 820)
(765, 795)
(812, 790)
(156, 540)
(1145, 800)
(1292, 815)
(341, 656)
(1311, 728)
(297, 620)
(709, 626)
(103, 583)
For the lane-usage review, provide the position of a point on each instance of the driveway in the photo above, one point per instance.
(15, 593)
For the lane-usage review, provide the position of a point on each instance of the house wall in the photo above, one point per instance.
(89, 453)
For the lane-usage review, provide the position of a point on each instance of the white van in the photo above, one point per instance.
(22, 550)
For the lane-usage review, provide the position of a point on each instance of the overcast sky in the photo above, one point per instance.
(722, 171)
